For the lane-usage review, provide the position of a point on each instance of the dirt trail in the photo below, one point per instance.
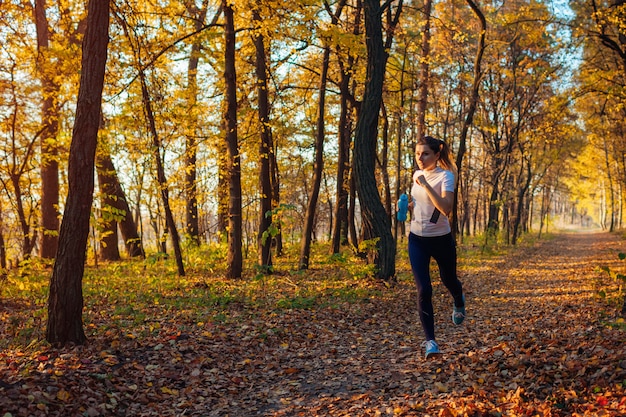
(542, 291)
(537, 341)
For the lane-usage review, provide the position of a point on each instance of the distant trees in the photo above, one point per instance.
(250, 124)
(599, 25)
(116, 212)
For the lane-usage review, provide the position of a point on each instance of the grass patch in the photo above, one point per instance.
(142, 297)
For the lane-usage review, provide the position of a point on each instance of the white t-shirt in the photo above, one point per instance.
(423, 208)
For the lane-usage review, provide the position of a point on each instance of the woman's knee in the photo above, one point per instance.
(424, 293)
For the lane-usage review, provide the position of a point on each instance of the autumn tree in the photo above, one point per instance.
(58, 28)
(424, 72)
(192, 225)
(318, 166)
(65, 300)
(21, 130)
(50, 119)
(375, 219)
(599, 25)
(233, 163)
(198, 16)
(468, 121)
(16, 176)
(517, 82)
(264, 239)
(117, 209)
(156, 142)
(346, 61)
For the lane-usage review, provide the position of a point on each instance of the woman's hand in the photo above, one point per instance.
(443, 202)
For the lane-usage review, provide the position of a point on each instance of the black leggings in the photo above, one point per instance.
(443, 250)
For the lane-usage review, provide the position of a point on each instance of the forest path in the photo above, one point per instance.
(537, 341)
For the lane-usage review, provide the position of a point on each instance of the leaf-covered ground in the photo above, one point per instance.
(538, 341)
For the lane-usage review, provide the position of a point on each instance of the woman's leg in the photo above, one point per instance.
(420, 263)
(444, 252)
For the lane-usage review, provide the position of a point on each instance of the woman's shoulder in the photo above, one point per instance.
(444, 175)
(442, 172)
(448, 173)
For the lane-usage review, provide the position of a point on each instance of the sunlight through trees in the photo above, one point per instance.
(242, 123)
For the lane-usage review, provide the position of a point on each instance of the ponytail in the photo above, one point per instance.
(445, 154)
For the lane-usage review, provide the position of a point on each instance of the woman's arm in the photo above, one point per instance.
(443, 202)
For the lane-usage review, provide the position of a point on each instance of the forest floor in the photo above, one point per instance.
(539, 340)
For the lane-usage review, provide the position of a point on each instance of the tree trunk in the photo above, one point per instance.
(341, 224)
(264, 238)
(519, 208)
(384, 163)
(493, 221)
(161, 178)
(109, 249)
(400, 177)
(192, 225)
(110, 186)
(278, 238)
(469, 118)
(65, 300)
(352, 230)
(28, 241)
(222, 187)
(611, 205)
(340, 229)
(424, 73)
(49, 148)
(375, 220)
(235, 236)
(318, 168)
(542, 209)
(3, 251)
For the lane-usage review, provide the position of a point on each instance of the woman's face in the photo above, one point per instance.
(426, 158)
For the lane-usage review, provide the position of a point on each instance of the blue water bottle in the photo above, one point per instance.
(403, 207)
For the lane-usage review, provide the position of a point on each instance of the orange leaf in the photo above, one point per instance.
(446, 412)
(63, 395)
(167, 390)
